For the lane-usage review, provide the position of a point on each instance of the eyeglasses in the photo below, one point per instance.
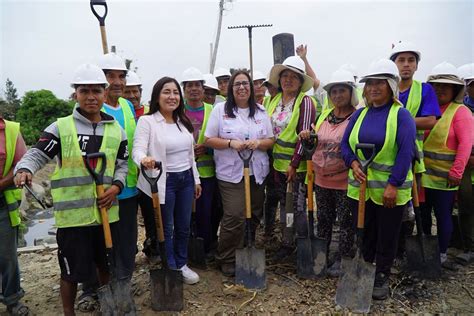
(237, 84)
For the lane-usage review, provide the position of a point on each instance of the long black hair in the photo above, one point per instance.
(230, 104)
(178, 113)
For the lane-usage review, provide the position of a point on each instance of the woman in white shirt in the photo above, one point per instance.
(165, 134)
(237, 125)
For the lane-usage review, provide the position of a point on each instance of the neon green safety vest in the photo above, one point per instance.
(321, 118)
(381, 167)
(413, 105)
(205, 163)
(438, 157)
(266, 102)
(129, 126)
(72, 187)
(286, 143)
(12, 194)
(146, 110)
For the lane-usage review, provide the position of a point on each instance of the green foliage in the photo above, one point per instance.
(38, 110)
(9, 107)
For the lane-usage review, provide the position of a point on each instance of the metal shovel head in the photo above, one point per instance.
(356, 284)
(106, 300)
(122, 290)
(196, 252)
(250, 268)
(423, 256)
(319, 248)
(304, 258)
(166, 290)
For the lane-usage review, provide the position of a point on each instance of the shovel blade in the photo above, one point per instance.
(356, 284)
(304, 258)
(107, 301)
(166, 290)
(319, 248)
(196, 252)
(122, 290)
(423, 256)
(250, 268)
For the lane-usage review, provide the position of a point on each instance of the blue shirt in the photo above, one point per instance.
(429, 102)
(117, 113)
(372, 131)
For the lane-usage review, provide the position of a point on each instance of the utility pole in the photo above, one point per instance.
(218, 35)
(249, 28)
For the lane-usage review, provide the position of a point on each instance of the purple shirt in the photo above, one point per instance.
(429, 102)
(372, 130)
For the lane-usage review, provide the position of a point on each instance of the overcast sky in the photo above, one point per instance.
(42, 42)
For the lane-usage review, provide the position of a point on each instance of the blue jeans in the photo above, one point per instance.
(176, 213)
(9, 269)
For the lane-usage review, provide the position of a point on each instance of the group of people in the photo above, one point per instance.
(198, 129)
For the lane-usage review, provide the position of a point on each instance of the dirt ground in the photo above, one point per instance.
(285, 293)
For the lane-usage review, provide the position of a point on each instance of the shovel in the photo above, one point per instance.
(33, 194)
(101, 19)
(288, 229)
(249, 261)
(196, 251)
(422, 250)
(116, 297)
(166, 284)
(311, 251)
(356, 284)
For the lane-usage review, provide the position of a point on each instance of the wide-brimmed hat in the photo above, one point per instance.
(295, 64)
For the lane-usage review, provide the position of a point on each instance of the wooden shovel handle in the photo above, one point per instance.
(103, 35)
(104, 215)
(158, 218)
(361, 208)
(248, 212)
(310, 173)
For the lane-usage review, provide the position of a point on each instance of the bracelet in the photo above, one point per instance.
(228, 144)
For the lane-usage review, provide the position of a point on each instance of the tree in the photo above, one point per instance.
(9, 107)
(38, 110)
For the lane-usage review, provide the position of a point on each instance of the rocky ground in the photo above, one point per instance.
(285, 293)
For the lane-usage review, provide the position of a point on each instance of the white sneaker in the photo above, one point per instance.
(443, 257)
(189, 276)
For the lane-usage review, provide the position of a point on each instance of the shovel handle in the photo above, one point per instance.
(365, 163)
(248, 212)
(153, 181)
(104, 215)
(158, 218)
(97, 176)
(414, 192)
(101, 18)
(361, 207)
(310, 173)
(103, 36)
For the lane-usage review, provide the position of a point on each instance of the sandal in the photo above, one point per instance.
(18, 309)
(87, 303)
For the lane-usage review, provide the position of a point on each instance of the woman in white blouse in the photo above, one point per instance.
(237, 125)
(165, 134)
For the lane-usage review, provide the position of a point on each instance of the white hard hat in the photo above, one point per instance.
(192, 74)
(210, 82)
(112, 61)
(466, 72)
(88, 74)
(445, 73)
(133, 79)
(221, 72)
(258, 75)
(382, 69)
(404, 47)
(295, 64)
(351, 68)
(344, 77)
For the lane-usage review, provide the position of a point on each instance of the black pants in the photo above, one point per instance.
(382, 227)
(150, 245)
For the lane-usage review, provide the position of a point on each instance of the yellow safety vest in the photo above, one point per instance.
(286, 143)
(413, 105)
(381, 167)
(438, 157)
(12, 194)
(129, 126)
(72, 187)
(205, 163)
